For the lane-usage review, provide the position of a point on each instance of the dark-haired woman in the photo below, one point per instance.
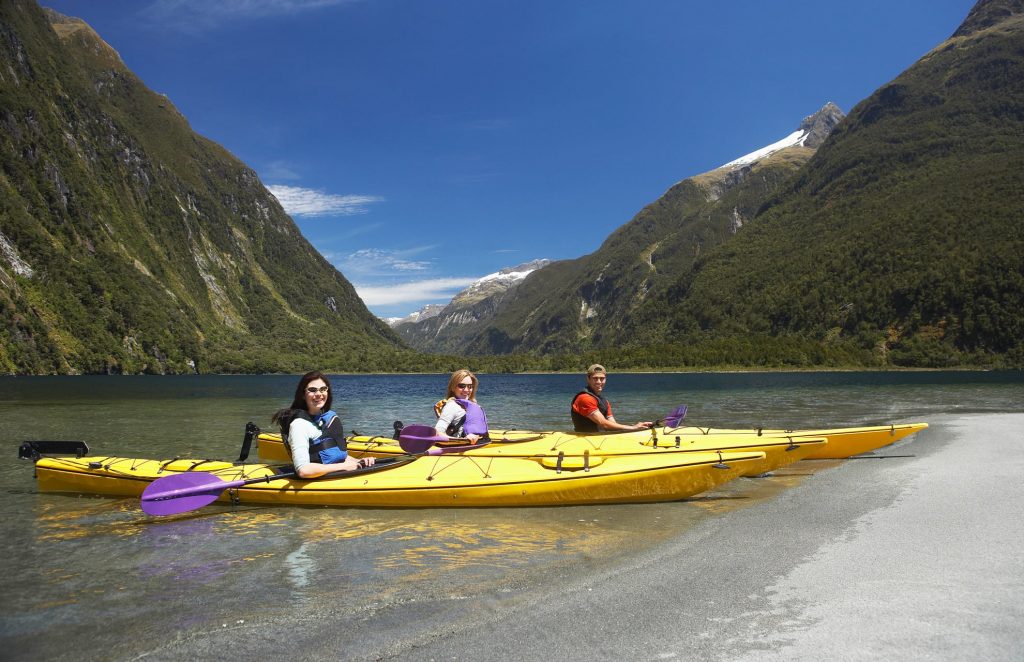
(313, 431)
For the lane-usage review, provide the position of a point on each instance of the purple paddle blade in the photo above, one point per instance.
(180, 493)
(417, 439)
(675, 417)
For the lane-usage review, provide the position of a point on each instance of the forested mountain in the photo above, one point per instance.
(899, 242)
(580, 304)
(128, 243)
(901, 239)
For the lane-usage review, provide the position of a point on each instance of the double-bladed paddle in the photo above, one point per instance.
(180, 493)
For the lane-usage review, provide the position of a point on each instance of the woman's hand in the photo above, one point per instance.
(315, 469)
(474, 438)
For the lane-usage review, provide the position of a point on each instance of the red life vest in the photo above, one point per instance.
(581, 423)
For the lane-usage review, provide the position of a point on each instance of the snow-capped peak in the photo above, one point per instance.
(500, 280)
(512, 274)
(798, 137)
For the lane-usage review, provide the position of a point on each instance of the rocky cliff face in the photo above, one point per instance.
(130, 244)
(818, 126)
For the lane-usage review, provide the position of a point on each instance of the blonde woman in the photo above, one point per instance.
(458, 414)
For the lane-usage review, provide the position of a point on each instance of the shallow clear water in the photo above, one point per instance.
(98, 572)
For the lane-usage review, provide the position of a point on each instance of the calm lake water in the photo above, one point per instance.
(99, 572)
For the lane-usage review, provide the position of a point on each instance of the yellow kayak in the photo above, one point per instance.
(778, 451)
(455, 480)
(841, 442)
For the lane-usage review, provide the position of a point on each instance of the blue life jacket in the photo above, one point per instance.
(331, 446)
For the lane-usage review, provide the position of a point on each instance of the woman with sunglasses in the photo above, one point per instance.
(458, 415)
(312, 431)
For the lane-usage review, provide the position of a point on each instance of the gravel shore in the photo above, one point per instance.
(914, 556)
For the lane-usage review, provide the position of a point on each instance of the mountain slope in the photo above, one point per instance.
(902, 236)
(130, 244)
(449, 329)
(579, 304)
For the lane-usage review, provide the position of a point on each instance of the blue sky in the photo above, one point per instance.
(422, 144)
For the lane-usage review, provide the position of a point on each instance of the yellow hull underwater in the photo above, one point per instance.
(444, 481)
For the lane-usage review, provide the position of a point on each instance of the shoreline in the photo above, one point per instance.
(903, 558)
(912, 556)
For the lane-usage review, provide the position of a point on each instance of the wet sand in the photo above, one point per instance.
(901, 558)
(913, 556)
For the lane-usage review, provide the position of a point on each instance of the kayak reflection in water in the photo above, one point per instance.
(458, 414)
(591, 412)
(312, 431)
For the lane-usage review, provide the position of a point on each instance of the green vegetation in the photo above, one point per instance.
(901, 238)
(128, 244)
(899, 243)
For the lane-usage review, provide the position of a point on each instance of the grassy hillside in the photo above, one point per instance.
(130, 244)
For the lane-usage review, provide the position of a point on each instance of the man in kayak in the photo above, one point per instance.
(591, 412)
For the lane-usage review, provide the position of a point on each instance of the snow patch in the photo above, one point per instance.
(798, 137)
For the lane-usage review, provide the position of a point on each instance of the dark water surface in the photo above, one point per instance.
(95, 578)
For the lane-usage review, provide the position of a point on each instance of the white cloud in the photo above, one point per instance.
(388, 260)
(381, 262)
(433, 289)
(298, 201)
